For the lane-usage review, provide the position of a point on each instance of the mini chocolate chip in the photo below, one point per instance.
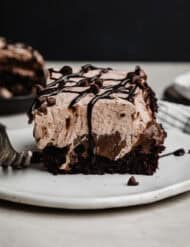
(86, 68)
(132, 181)
(51, 101)
(122, 114)
(137, 69)
(50, 70)
(99, 83)
(83, 83)
(66, 70)
(94, 88)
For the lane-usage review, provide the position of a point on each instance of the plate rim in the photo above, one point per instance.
(94, 203)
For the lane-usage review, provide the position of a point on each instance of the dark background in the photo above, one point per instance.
(101, 30)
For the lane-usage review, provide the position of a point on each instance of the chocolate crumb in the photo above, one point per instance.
(51, 101)
(50, 70)
(132, 181)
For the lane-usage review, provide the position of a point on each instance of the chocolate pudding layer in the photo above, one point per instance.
(98, 120)
(21, 68)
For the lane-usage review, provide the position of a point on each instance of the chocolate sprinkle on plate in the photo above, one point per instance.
(132, 181)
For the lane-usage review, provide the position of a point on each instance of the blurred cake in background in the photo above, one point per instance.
(21, 68)
(179, 91)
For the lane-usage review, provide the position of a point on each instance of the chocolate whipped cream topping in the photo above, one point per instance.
(95, 92)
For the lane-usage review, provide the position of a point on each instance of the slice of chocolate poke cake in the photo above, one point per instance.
(96, 121)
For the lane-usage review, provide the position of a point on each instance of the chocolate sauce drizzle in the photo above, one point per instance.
(178, 152)
(93, 84)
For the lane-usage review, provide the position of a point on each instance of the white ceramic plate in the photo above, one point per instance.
(35, 186)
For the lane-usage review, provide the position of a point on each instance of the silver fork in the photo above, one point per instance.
(9, 157)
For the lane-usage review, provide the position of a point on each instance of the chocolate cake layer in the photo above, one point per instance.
(98, 120)
(21, 67)
(143, 159)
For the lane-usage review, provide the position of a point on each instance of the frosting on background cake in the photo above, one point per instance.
(92, 121)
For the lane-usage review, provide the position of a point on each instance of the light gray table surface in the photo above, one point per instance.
(166, 223)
